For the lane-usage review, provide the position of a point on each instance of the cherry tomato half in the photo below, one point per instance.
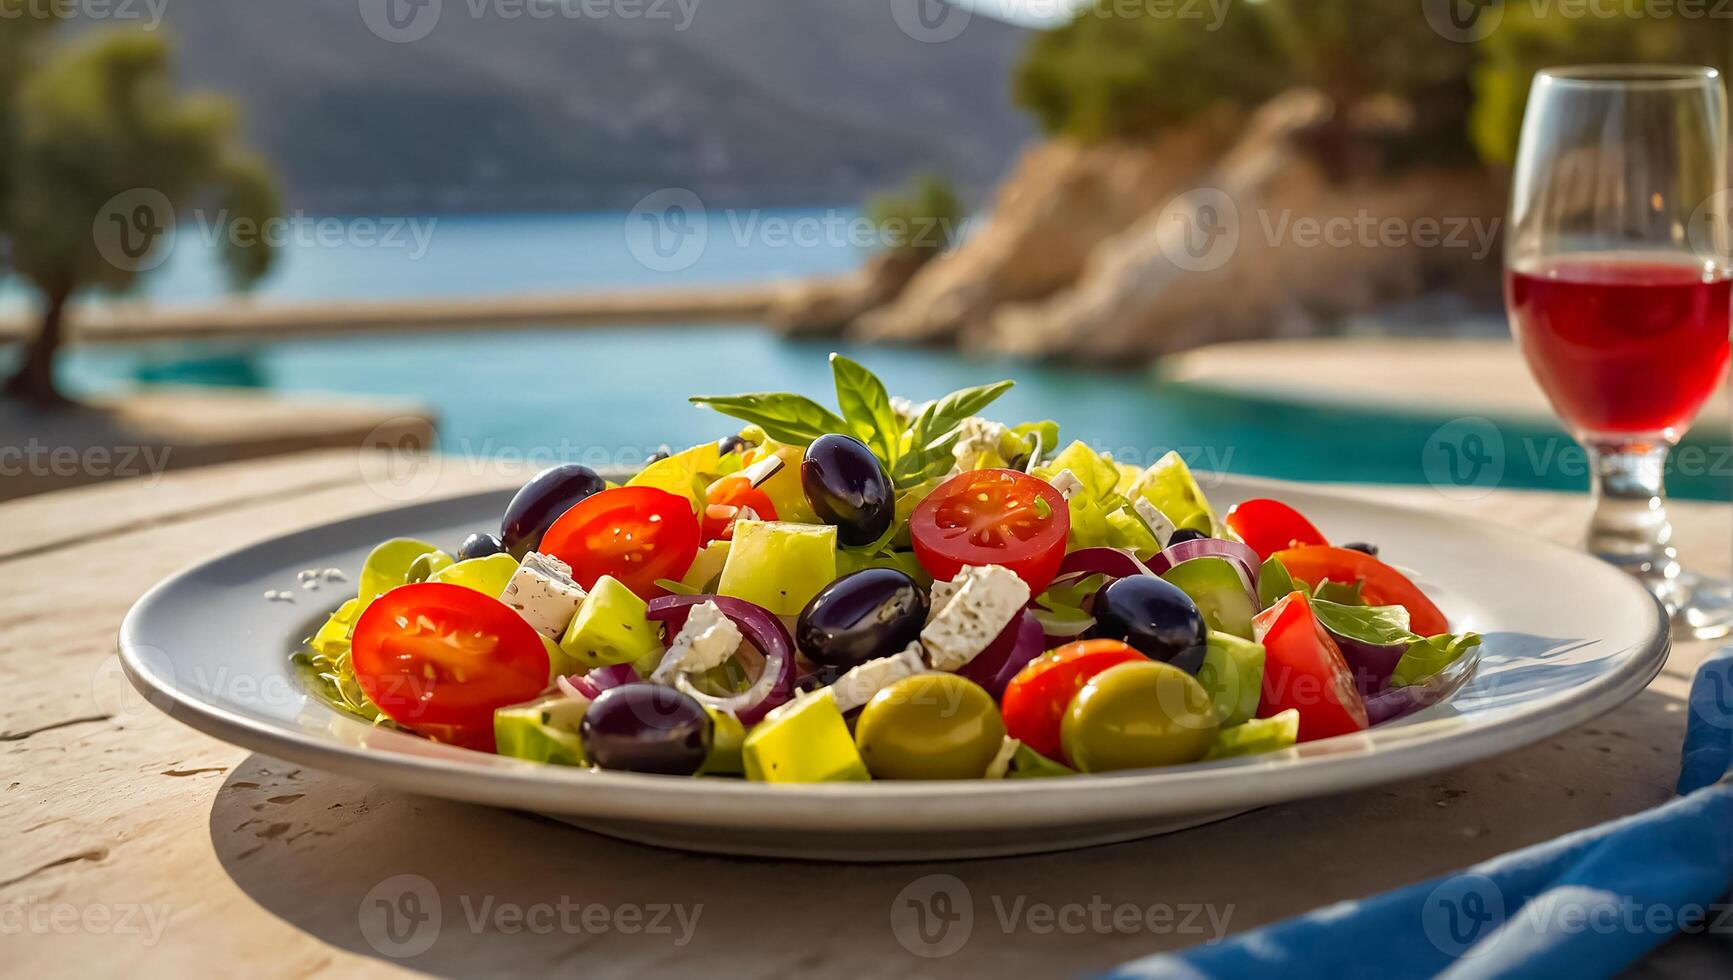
(1036, 699)
(1304, 670)
(1381, 584)
(635, 534)
(1270, 526)
(992, 517)
(725, 500)
(442, 657)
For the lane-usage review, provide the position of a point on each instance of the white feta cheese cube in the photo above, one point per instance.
(543, 593)
(979, 438)
(1158, 523)
(857, 687)
(707, 640)
(941, 597)
(988, 599)
(1067, 483)
(1001, 763)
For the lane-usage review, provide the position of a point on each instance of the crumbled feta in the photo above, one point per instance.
(857, 687)
(707, 640)
(1067, 483)
(1001, 763)
(979, 438)
(941, 597)
(985, 602)
(543, 593)
(1159, 525)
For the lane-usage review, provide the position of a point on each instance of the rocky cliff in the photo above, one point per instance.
(1231, 227)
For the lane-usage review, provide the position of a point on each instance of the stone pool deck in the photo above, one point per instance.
(1435, 378)
(143, 434)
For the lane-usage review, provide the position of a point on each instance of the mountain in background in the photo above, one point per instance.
(756, 102)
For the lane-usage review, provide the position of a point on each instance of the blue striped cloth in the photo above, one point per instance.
(1588, 904)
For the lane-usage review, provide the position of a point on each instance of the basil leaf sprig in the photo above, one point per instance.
(912, 450)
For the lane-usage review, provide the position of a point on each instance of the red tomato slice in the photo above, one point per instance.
(727, 497)
(992, 517)
(635, 534)
(444, 657)
(1304, 670)
(1382, 585)
(1035, 700)
(1270, 526)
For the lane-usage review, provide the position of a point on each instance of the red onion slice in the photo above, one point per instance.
(1371, 663)
(1017, 644)
(775, 682)
(1102, 561)
(1393, 703)
(1234, 551)
(592, 684)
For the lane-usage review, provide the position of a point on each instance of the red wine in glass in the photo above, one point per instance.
(1617, 254)
(1623, 344)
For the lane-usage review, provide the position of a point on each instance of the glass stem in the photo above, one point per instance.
(1630, 527)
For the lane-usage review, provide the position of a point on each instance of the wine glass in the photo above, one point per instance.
(1617, 284)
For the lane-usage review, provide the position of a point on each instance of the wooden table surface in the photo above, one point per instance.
(133, 844)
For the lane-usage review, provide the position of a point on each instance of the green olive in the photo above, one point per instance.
(1138, 715)
(425, 565)
(930, 726)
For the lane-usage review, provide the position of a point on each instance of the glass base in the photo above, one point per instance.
(1701, 606)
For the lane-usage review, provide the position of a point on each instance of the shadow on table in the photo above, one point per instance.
(455, 889)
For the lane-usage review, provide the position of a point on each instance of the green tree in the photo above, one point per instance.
(925, 218)
(1528, 40)
(1123, 72)
(23, 25)
(105, 153)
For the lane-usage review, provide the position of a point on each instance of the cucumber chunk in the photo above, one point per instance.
(542, 731)
(806, 741)
(610, 628)
(1257, 736)
(1233, 676)
(779, 565)
(1219, 592)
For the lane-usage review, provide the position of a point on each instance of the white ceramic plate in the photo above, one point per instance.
(1567, 638)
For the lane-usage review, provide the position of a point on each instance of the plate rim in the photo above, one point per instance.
(1328, 766)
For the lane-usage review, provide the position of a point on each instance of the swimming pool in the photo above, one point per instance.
(613, 395)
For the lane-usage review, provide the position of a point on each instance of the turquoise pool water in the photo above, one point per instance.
(616, 394)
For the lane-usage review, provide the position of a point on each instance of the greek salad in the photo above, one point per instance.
(886, 590)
